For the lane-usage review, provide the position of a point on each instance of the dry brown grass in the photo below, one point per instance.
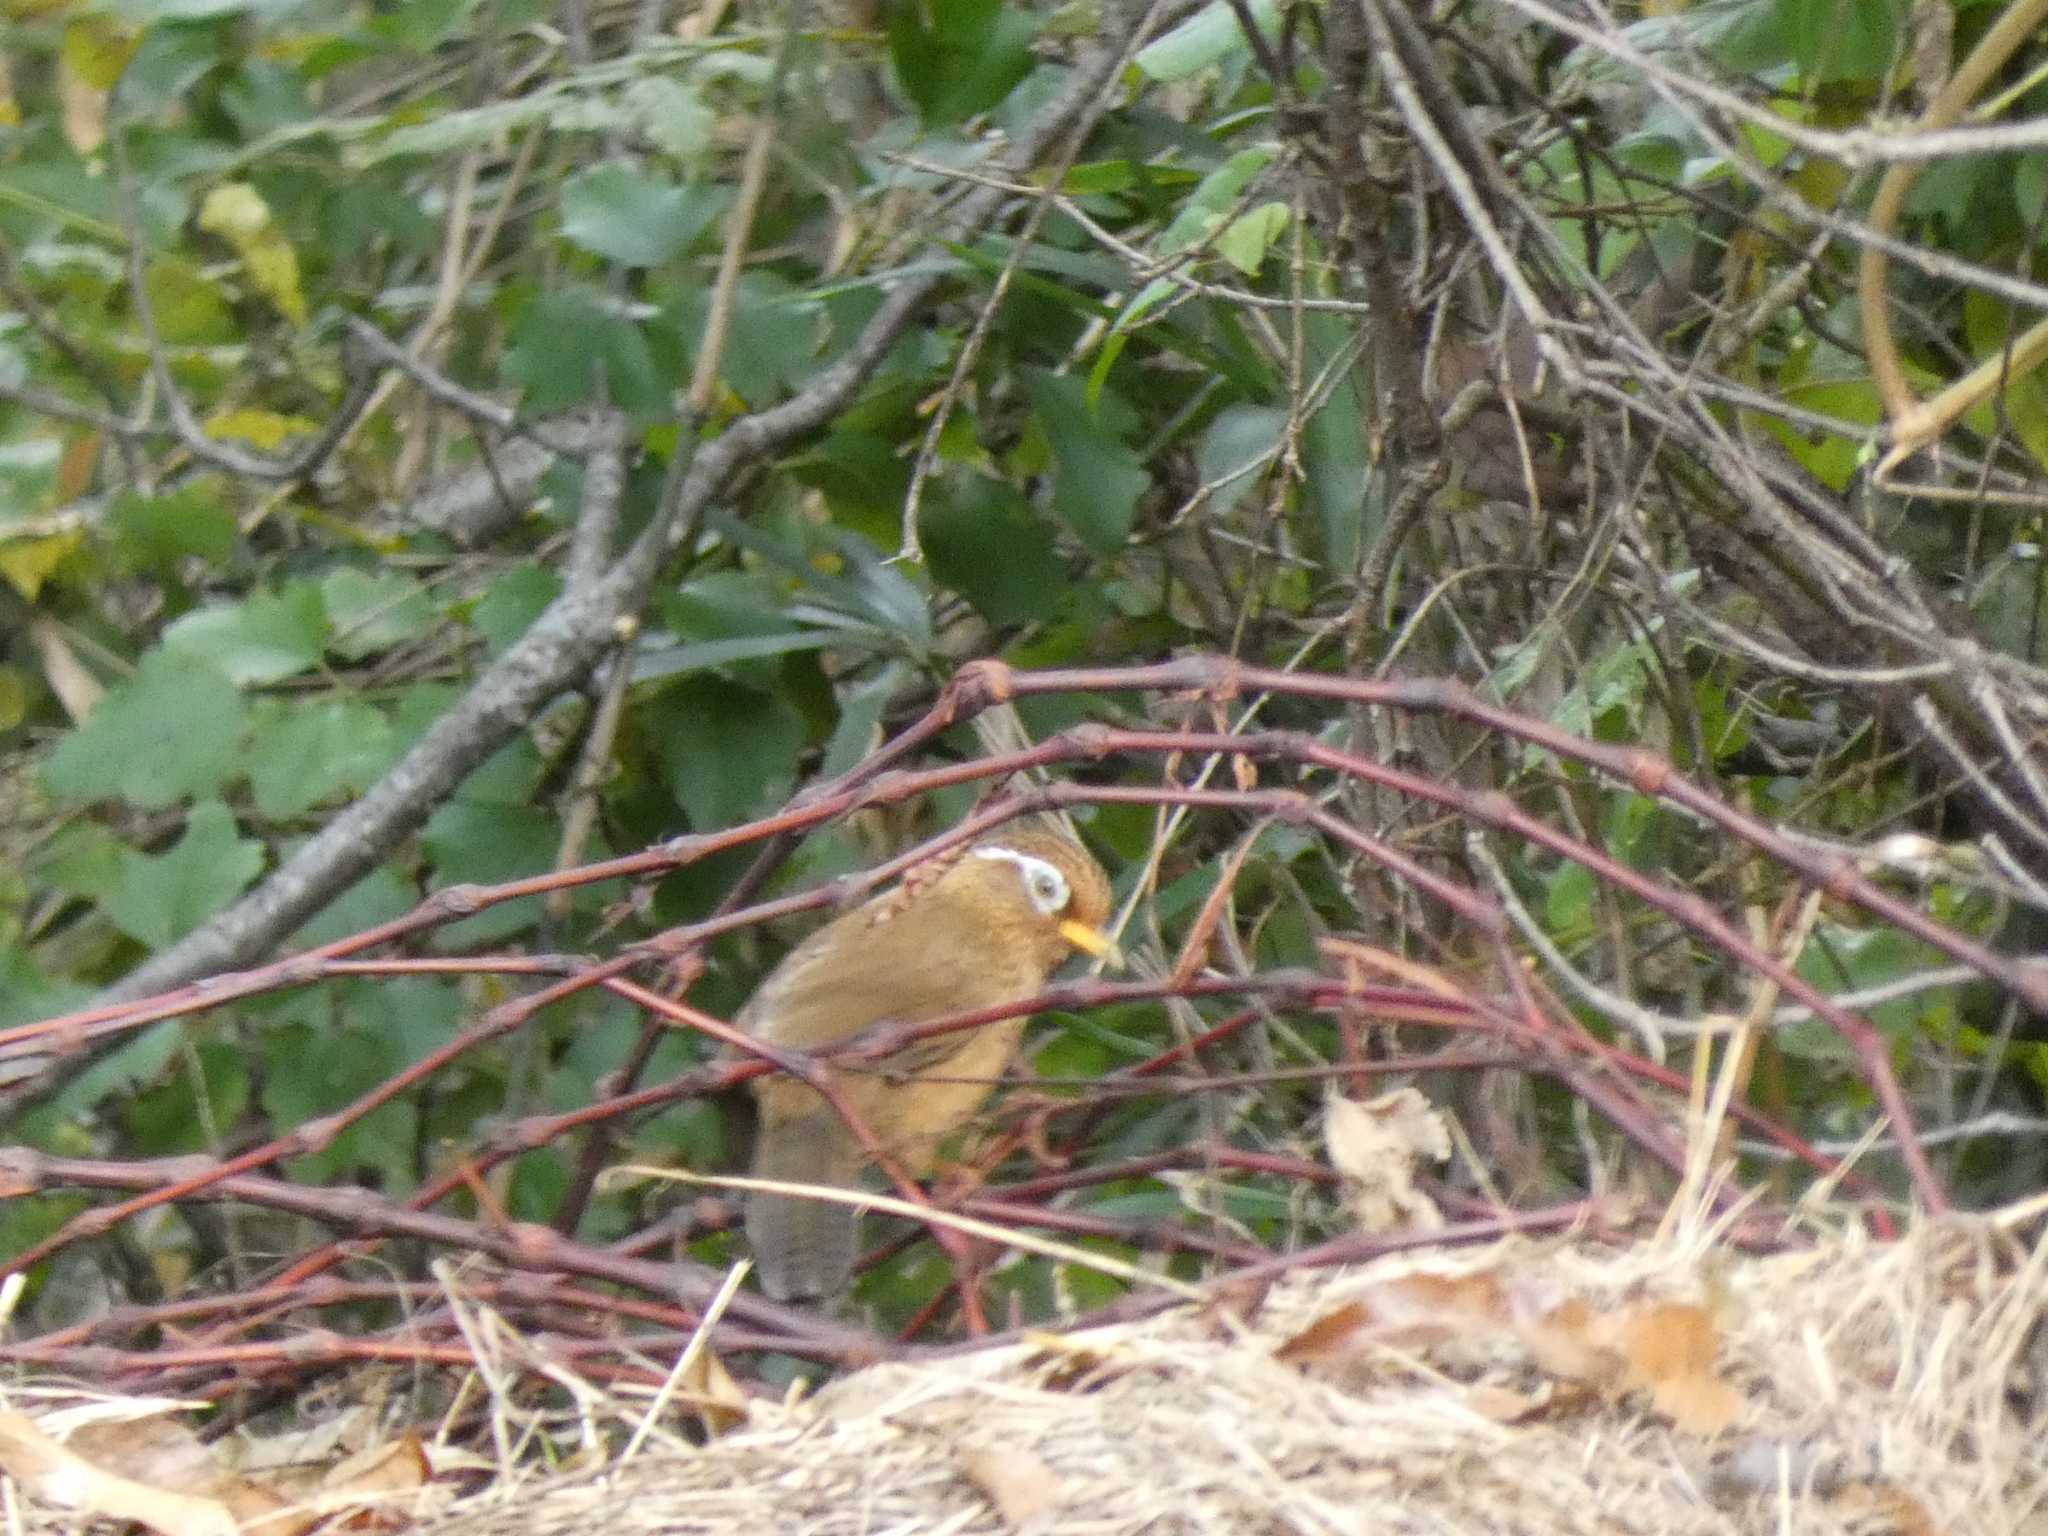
(1883, 1388)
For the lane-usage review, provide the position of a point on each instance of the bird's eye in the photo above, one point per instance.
(1043, 883)
(1047, 886)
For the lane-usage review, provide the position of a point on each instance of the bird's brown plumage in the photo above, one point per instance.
(964, 934)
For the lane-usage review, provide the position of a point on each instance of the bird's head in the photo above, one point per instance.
(1041, 888)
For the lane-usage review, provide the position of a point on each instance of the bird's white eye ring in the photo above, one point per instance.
(1046, 886)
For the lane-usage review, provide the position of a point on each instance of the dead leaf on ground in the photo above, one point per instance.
(56, 1474)
(1023, 1489)
(173, 1482)
(1078, 1367)
(1408, 1312)
(1505, 1405)
(1375, 1146)
(708, 1386)
(1664, 1348)
(1233, 1304)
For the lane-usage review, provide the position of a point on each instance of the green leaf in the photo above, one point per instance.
(158, 898)
(152, 11)
(27, 995)
(301, 754)
(1236, 448)
(1334, 454)
(986, 543)
(420, 25)
(378, 897)
(673, 116)
(1212, 199)
(567, 340)
(860, 717)
(654, 661)
(311, 1072)
(730, 751)
(1843, 959)
(373, 611)
(957, 58)
(1828, 457)
(1205, 39)
(1245, 240)
(1096, 480)
(488, 843)
(1568, 902)
(1839, 39)
(491, 832)
(173, 730)
(1148, 297)
(28, 476)
(1742, 36)
(263, 640)
(514, 601)
(189, 309)
(134, 1063)
(772, 341)
(167, 1119)
(632, 217)
(160, 530)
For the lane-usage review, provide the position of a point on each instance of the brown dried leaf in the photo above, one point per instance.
(1902, 1513)
(1080, 1367)
(1194, 953)
(1238, 1299)
(396, 1467)
(1565, 1341)
(261, 1512)
(1023, 1489)
(1375, 1146)
(160, 1452)
(1662, 1340)
(1664, 1347)
(1328, 1335)
(1669, 1347)
(719, 1403)
(58, 1475)
(1409, 1310)
(157, 1450)
(1504, 1405)
(1698, 1402)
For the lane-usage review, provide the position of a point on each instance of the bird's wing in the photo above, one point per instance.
(855, 972)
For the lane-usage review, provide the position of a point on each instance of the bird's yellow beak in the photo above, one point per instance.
(1092, 941)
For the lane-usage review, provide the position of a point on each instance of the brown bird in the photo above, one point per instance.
(975, 928)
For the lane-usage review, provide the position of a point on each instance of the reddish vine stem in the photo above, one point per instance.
(1544, 1037)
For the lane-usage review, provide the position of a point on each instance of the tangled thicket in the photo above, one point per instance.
(1609, 455)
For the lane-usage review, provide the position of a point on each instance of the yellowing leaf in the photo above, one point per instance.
(95, 52)
(13, 698)
(1245, 240)
(97, 49)
(264, 429)
(237, 213)
(27, 563)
